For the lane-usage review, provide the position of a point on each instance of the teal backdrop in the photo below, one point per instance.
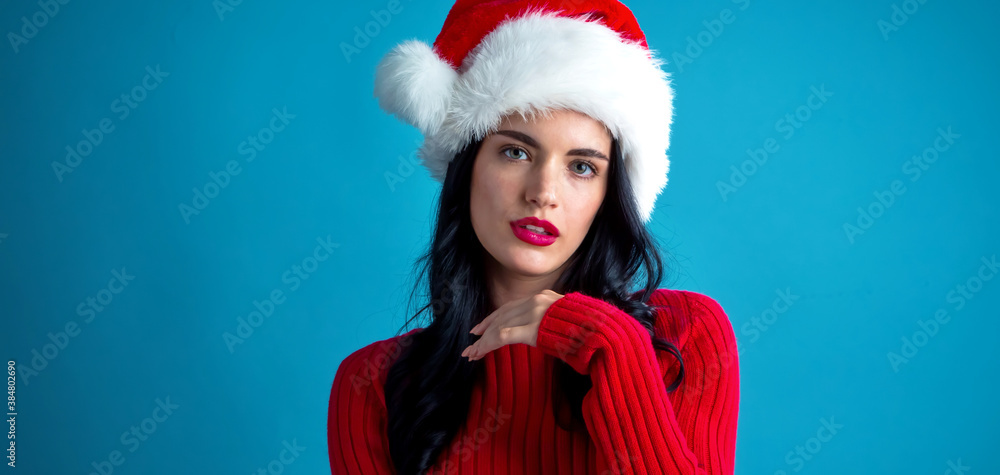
(170, 168)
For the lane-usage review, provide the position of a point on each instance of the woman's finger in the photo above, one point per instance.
(504, 336)
(484, 345)
(483, 325)
(514, 307)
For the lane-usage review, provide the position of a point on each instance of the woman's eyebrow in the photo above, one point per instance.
(588, 152)
(519, 136)
(582, 152)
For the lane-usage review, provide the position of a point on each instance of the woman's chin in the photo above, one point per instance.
(523, 264)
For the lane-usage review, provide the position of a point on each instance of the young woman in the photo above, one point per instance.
(548, 125)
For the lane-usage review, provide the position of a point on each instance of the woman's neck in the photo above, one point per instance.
(504, 285)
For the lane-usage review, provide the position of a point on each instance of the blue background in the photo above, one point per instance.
(323, 176)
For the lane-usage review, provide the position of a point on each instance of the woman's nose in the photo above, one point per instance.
(543, 184)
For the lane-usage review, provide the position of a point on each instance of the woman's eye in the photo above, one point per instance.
(520, 152)
(586, 166)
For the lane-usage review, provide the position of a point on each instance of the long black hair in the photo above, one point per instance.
(429, 386)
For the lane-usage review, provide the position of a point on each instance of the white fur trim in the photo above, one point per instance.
(543, 61)
(414, 84)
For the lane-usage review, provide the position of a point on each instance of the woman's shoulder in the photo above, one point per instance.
(693, 301)
(685, 314)
(366, 368)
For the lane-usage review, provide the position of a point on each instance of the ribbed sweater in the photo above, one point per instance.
(633, 424)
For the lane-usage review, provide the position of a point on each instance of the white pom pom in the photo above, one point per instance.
(414, 84)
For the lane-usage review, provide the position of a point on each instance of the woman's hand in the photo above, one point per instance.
(516, 321)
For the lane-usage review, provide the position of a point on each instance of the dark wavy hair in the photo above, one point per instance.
(429, 386)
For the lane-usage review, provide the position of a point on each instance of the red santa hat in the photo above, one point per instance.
(493, 58)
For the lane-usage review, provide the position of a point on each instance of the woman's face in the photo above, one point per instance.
(553, 169)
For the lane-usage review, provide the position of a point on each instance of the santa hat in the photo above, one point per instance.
(493, 58)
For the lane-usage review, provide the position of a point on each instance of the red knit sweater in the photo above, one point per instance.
(633, 424)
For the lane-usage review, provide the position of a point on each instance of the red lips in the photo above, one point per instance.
(533, 221)
(535, 238)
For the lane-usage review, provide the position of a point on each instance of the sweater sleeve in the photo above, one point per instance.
(356, 421)
(628, 412)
